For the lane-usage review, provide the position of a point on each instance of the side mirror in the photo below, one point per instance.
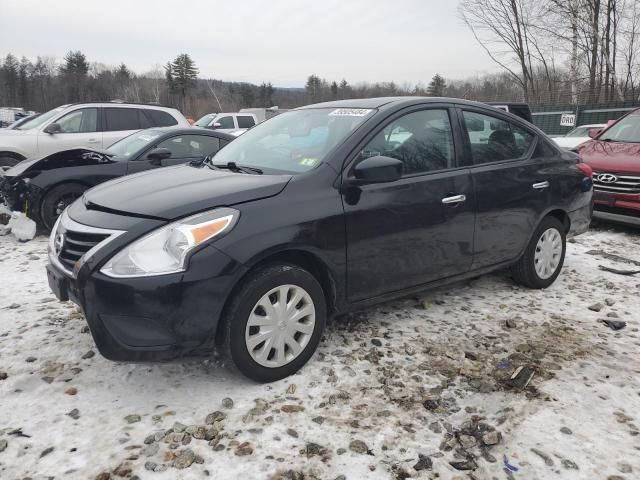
(216, 125)
(594, 132)
(156, 155)
(53, 128)
(378, 169)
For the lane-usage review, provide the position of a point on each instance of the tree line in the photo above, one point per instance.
(562, 51)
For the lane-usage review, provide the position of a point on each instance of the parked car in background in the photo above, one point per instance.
(317, 211)
(43, 187)
(577, 136)
(233, 123)
(521, 110)
(95, 125)
(614, 155)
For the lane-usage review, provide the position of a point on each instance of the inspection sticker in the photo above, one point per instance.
(350, 112)
(309, 162)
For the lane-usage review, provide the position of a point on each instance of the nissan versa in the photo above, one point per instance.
(317, 211)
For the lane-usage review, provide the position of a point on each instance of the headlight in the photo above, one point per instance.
(165, 250)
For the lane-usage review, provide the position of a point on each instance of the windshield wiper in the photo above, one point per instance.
(234, 167)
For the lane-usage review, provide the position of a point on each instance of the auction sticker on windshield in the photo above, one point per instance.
(350, 112)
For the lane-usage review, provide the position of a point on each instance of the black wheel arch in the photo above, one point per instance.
(291, 256)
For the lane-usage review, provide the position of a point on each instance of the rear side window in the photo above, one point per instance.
(493, 139)
(118, 119)
(245, 121)
(158, 118)
(422, 140)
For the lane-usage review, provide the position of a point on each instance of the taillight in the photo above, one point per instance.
(586, 169)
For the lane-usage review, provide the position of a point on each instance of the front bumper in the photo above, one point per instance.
(149, 318)
(616, 207)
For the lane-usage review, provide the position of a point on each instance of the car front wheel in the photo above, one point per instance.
(56, 200)
(543, 259)
(275, 321)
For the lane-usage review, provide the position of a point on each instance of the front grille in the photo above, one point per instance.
(76, 244)
(622, 183)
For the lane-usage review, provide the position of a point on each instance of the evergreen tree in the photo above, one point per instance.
(74, 70)
(182, 74)
(10, 79)
(334, 90)
(437, 86)
(23, 80)
(247, 96)
(344, 89)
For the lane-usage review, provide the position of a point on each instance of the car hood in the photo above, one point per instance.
(67, 158)
(175, 192)
(570, 142)
(611, 156)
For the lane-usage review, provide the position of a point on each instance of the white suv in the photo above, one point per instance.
(94, 125)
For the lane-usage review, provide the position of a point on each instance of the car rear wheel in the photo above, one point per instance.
(56, 200)
(274, 322)
(543, 259)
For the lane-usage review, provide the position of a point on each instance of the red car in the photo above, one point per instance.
(614, 156)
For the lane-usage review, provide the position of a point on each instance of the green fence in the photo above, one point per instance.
(548, 117)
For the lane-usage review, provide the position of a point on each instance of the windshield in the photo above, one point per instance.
(206, 120)
(35, 122)
(294, 142)
(579, 132)
(132, 144)
(626, 130)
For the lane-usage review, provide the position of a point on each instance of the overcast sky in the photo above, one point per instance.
(281, 41)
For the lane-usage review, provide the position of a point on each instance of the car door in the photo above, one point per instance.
(184, 148)
(78, 128)
(120, 122)
(511, 182)
(417, 229)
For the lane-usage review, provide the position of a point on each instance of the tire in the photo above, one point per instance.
(7, 162)
(530, 270)
(56, 200)
(243, 340)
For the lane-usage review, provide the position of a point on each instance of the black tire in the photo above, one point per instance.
(7, 162)
(242, 304)
(56, 200)
(524, 272)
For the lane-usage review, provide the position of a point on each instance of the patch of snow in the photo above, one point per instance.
(427, 375)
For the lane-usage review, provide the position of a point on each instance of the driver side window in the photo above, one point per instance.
(225, 122)
(422, 140)
(84, 120)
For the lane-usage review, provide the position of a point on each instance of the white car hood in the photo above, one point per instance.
(570, 142)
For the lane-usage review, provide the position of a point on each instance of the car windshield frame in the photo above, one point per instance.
(611, 134)
(134, 139)
(295, 142)
(41, 119)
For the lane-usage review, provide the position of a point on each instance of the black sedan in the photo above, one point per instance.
(43, 187)
(313, 213)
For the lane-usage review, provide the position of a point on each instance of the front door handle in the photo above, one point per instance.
(454, 199)
(541, 185)
(93, 140)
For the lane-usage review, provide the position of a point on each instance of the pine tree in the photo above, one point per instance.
(75, 70)
(334, 90)
(10, 76)
(183, 73)
(437, 86)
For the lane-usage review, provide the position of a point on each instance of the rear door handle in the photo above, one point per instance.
(454, 199)
(93, 140)
(541, 185)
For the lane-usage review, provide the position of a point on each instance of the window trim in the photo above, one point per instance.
(458, 147)
(505, 118)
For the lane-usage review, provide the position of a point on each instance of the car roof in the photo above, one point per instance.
(378, 102)
(190, 131)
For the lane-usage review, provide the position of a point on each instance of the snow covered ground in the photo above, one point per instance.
(412, 388)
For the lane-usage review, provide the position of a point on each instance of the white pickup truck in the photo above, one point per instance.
(235, 123)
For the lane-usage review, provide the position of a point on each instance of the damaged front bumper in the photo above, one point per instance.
(20, 195)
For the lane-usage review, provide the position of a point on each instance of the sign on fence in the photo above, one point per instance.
(568, 120)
